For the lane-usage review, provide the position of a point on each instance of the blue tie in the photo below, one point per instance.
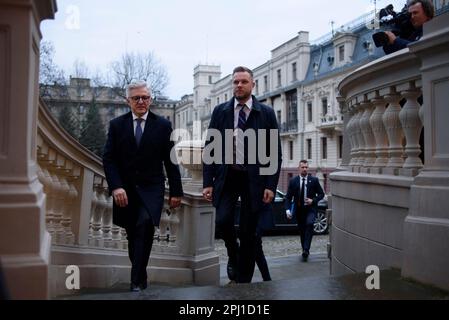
(138, 130)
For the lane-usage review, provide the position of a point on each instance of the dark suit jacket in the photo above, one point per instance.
(139, 170)
(214, 175)
(314, 192)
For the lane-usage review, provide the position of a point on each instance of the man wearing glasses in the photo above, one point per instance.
(137, 148)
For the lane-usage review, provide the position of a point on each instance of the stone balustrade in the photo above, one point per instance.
(384, 124)
(390, 196)
(331, 121)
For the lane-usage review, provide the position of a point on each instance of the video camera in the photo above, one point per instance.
(398, 23)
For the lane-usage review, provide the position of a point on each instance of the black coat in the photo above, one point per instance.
(139, 170)
(214, 175)
(314, 192)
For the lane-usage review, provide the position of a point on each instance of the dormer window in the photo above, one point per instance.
(341, 53)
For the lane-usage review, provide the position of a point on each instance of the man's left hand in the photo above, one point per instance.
(174, 202)
(268, 196)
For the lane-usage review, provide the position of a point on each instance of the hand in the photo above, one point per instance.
(207, 193)
(391, 37)
(289, 214)
(268, 196)
(308, 201)
(120, 197)
(174, 202)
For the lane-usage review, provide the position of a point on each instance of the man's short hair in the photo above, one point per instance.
(136, 85)
(303, 161)
(427, 5)
(242, 69)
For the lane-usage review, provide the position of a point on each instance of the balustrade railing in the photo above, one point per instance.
(384, 122)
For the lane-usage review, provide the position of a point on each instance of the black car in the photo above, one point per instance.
(284, 225)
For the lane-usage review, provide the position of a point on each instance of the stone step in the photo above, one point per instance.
(292, 280)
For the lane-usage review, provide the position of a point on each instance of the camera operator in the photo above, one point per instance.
(420, 11)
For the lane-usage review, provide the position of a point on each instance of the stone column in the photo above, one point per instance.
(24, 241)
(380, 135)
(411, 123)
(346, 158)
(426, 230)
(368, 136)
(394, 131)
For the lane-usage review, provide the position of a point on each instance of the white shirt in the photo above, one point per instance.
(142, 124)
(305, 187)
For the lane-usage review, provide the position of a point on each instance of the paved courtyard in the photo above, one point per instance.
(282, 246)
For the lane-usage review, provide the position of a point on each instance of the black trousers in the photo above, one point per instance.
(140, 241)
(306, 219)
(237, 185)
(260, 258)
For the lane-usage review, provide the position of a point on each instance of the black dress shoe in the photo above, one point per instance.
(143, 285)
(134, 288)
(305, 256)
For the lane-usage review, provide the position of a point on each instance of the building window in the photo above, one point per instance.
(292, 110)
(226, 97)
(279, 76)
(81, 109)
(309, 111)
(210, 79)
(290, 150)
(278, 113)
(324, 148)
(341, 53)
(257, 87)
(340, 147)
(218, 100)
(265, 83)
(294, 76)
(309, 148)
(324, 105)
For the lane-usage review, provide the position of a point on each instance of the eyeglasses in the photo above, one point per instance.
(137, 98)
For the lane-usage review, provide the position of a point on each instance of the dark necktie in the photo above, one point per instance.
(240, 143)
(242, 117)
(138, 130)
(301, 193)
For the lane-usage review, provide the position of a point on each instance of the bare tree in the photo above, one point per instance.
(49, 73)
(136, 66)
(80, 69)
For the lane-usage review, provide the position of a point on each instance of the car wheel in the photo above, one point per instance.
(320, 226)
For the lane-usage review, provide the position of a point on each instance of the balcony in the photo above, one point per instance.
(288, 128)
(331, 122)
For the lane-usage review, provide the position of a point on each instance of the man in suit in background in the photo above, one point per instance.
(304, 191)
(225, 181)
(137, 148)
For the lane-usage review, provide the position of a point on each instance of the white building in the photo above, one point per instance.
(300, 83)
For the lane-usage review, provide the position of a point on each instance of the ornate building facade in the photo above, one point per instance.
(300, 82)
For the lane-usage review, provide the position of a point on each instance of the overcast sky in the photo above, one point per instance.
(183, 34)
